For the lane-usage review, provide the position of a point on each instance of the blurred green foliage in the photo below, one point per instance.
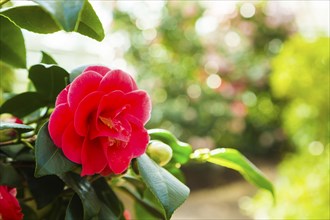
(301, 78)
(211, 89)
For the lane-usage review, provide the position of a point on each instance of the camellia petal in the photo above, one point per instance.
(140, 105)
(9, 206)
(99, 69)
(119, 158)
(117, 80)
(84, 112)
(72, 144)
(58, 121)
(138, 142)
(63, 96)
(81, 86)
(93, 159)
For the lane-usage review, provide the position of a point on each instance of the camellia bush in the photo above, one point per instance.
(75, 139)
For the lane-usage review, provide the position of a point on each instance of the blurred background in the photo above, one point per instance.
(247, 75)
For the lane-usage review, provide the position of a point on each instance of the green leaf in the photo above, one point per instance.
(233, 159)
(168, 190)
(23, 104)
(66, 13)
(109, 198)
(49, 158)
(12, 150)
(49, 80)
(181, 150)
(21, 128)
(32, 18)
(44, 189)
(47, 59)
(9, 176)
(74, 209)
(12, 46)
(93, 206)
(90, 24)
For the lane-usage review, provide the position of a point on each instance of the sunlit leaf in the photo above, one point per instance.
(32, 18)
(12, 44)
(49, 158)
(47, 59)
(168, 190)
(90, 24)
(21, 128)
(66, 13)
(23, 104)
(181, 150)
(233, 159)
(49, 81)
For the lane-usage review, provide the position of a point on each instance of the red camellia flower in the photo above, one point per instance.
(9, 206)
(99, 120)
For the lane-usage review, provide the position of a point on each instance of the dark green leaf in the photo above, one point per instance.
(47, 59)
(12, 46)
(12, 150)
(9, 176)
(21, 128)
(109, 198)
(181, 150)
(76, 72)
(49, 158)
(169, 191)
(44, 189)
(48, 80)
(23, 104)
(29, 213)
(32, 18)
(147, 205)
(66, 12)
(91, 203)
(75, 209)
(90, 24)
(233, 159)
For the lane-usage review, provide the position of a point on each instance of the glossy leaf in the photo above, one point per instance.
(12, 150)
(23, 104)
(32, 18)
(66, 13)
(49, 158)
(9, 176)
(90, 24)
(233, 159)
(74, 210)
(49, 81)
(12, 44)
(21, 128)
(181, 150)
(44, 189)
(47, 59)
(168, 190)
(109, 198)
(93, 206)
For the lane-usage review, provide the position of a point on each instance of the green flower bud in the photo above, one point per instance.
(161, 153)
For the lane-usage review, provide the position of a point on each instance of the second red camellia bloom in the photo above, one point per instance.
(99, 120)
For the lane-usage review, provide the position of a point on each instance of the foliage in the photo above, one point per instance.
(303, 181)
(49, 185)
